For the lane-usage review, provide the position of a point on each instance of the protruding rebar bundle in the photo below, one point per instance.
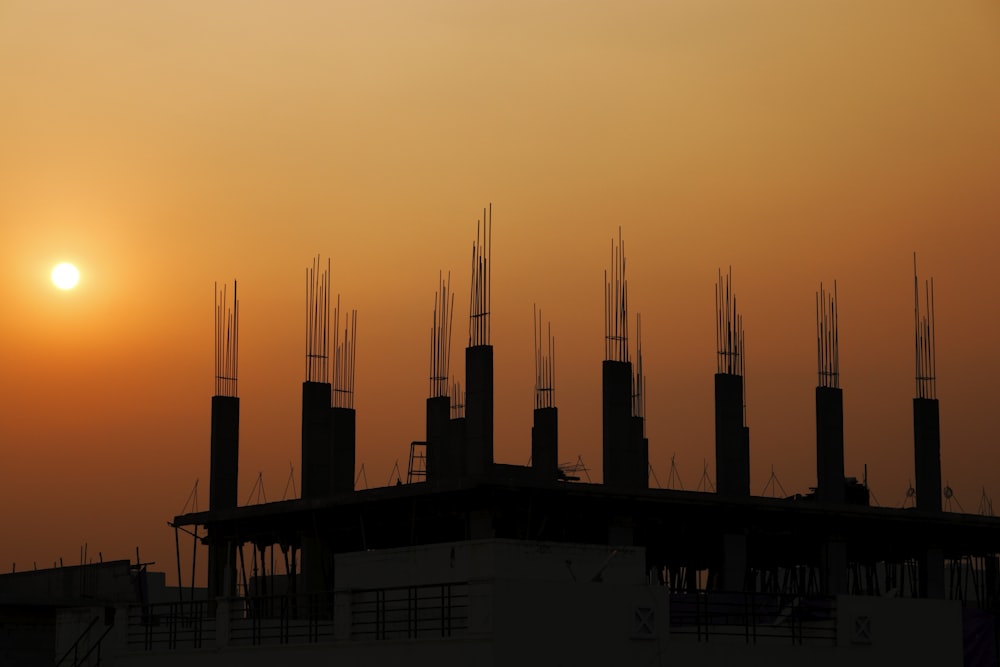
(479, 295)
(318, 322)
(639, 380)
(226, 342)
(728, 327)
(616, 305)
(827, 340)
(924, 345)
(457, 401)
(545, 363)
(345, 352)
(444, 306)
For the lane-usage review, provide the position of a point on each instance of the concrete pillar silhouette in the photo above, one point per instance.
(829, 444)
(317, 440)
(343, 426)
(439, 464)
(545, 444)
(222, 490)
(732, 439)
(927, 453)
(617, 444)
(479, 409)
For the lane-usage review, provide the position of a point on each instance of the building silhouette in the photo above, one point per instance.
(475, 562)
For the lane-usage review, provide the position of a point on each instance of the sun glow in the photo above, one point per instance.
(65, 276)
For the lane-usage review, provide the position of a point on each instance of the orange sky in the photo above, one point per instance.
(166, 146)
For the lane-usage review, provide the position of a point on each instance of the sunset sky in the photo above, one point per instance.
(166, 146)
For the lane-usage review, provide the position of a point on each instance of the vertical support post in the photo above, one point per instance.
(438, 438)
(317, 440)
(343, 426)
(545, 444)
(830, 444)
(223, 477)
(479, 408)
(732, 452)
(927, 453)
(617, 441)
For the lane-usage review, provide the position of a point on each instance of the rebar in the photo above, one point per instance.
(318, 322)
(545, 363)
(616, 305)
(924, 338)
(827, 337)
(226, 342)
(441, 327)
(479, 293)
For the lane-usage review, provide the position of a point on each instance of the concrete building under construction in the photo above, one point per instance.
(474, 562)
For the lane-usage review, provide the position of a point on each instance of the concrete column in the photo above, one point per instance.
(438, 438)
(343, 421)
(927, 453)
(616, 395)
(732, 444)
(545, 444)
(225, 449)
(479, 409)
(317, 440)
(222, 489)
(829, 444)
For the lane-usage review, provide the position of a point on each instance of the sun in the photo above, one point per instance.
(65, 276)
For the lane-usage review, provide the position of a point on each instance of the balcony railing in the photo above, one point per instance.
(281, 619)
(754, 617)
(170, 625)
(413, 612)
(439, 610)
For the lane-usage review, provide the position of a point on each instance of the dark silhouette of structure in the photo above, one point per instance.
(732, 436)
(545, 422)
(225, 443)
(829, 402)
(500, 557)
(626, 459)
(692, 544)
